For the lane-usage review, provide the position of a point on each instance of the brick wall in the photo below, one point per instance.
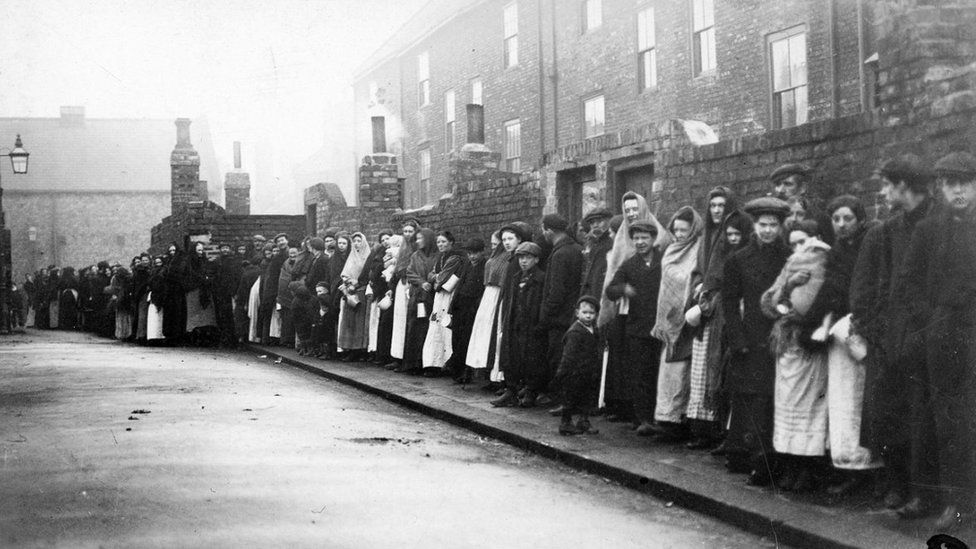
(201, 218)
(78, 229)
(237, 193)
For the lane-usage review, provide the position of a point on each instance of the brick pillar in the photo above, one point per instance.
(184, 165)
(237, 187)
(379, 183)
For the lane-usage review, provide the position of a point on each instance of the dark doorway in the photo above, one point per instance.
(630, 174)
(578, 192)
(311, 223)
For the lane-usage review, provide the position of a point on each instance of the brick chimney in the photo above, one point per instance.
(184, 165)
(237, 187)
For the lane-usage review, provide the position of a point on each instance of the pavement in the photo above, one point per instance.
(691, 479)
(107, 444)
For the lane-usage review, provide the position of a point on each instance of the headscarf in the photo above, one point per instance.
(680, 258)
(497, 264)
(623, 249)
(357, 258)
(406, 250)
(713, 278)
(391, 255)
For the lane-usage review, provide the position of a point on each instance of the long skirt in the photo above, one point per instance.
(142, 318)
(800, 403)
(497, 375)
(401, 303)
(352, 325)
(274, 329)
(54, 312)
(374, 326)
(196, 315)
(437, 345)
(480, 344)
(697, 408)
(253, 304)
(123, 324)
(672, 389)
(154, 320)
(31, 315)
(845, 397)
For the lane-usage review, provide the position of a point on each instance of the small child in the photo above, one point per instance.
(303, 309)
(579, 369)
(320, 312)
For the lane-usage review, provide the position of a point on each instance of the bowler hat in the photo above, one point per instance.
(528, 248)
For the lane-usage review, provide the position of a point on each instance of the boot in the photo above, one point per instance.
(506, 400)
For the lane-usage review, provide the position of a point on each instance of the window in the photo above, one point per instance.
(424, 175)
(449, 118)
(476, 91)
(788, 57)
(423, 79)
(592, 13)
(646, 50)
(511, 35)
(513, 146)
(593, 118)
(703, 29)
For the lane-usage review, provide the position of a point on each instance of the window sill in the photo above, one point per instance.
(711, 74)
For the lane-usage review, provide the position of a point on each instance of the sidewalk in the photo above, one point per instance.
(691, 479)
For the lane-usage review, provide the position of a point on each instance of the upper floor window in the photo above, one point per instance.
(511, 34)
(593, 117)
(646, 49)
(703, 29)
(788, 57)
(423, 79)
(592, 13)
(424, 175)
(476, 91)
(513, 145)
(449, 118)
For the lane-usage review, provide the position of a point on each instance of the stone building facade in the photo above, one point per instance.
(595, 67)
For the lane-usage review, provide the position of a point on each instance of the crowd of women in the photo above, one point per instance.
(808, 347)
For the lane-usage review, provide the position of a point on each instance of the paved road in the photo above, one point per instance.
(235, 451)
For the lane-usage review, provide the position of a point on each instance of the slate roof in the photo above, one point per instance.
(97, 154)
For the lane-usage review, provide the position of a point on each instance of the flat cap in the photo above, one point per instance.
(474, 245)
(555, 222)
(642, 226)
(280, 235)
(597, 213)
(768, 205)
(259, 238)
(787, 170)
(528, 248)
(906, 167)
(317, 243)
(956, 164)
(588, 299)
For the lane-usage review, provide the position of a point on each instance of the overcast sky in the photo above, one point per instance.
(270, 70)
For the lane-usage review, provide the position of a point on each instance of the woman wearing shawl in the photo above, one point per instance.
(481, 348)
(154, 301)
(372, 279)
(174, 306)
(254, 296)
(512, 235)
(382, 287)
(121, 302)
(401, 294)
(353, 336)
(701, 414)
(618, 377)
(420, 300)
(285, 297)
(334, 280)
(676, 265)
(68, 297)
(448, 271)
(196, 287)
(140, 289)
(53, 298)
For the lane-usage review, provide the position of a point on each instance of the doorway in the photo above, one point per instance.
(578, 191)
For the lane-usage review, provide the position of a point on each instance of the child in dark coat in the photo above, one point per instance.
(579, 368)
(320, 307)
(304, 309)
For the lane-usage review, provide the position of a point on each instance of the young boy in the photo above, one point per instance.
(304, 311)
(579, 367)
(319, 335)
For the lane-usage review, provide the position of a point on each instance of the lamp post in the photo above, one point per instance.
(18, 163)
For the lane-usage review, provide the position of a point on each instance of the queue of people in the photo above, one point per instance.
(805, 345)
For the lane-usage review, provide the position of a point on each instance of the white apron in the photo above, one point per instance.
(845, 398)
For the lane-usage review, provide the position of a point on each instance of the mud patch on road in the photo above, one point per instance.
(14, 399)
(385, 440)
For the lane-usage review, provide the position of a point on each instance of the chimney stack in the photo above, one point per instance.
(379, 134)
(184, 165)
(237, 187)
(476, 123)
(237, 155)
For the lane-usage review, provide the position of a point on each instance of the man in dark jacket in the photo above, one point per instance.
(227, 280)
(939, 280)
(598, 245)
(896, 420)
(249, 275)
(791, 181)
(522, 324)
(639, 280)
(559, 294)
(269, 286)
(464, 307)
(747, 274)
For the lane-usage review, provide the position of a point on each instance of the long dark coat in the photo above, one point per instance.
(562, 284)
(595, 266)
(747, 274)
(523, 342)
(623, 373)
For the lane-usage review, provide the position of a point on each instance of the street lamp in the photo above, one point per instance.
(18, 163)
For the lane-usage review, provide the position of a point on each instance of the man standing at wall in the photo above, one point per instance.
(791, 181)
(939, 280)
(559, 294)
(598, 245)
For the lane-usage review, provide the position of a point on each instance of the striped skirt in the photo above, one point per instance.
(699, 379)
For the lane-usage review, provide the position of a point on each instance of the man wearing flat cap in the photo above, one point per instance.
(598, 245)
(896, 417)
(526, 367)
(559, 293)
(790, 182)
(751, 374)
(257, 253)
(939, 280)
(639, 280)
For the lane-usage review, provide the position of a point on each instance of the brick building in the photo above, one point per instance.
(551, 73)
(94, 188)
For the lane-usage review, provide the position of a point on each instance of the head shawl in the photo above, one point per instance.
(679, 260)
(358, 254)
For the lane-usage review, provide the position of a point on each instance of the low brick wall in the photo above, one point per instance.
(204, 218)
